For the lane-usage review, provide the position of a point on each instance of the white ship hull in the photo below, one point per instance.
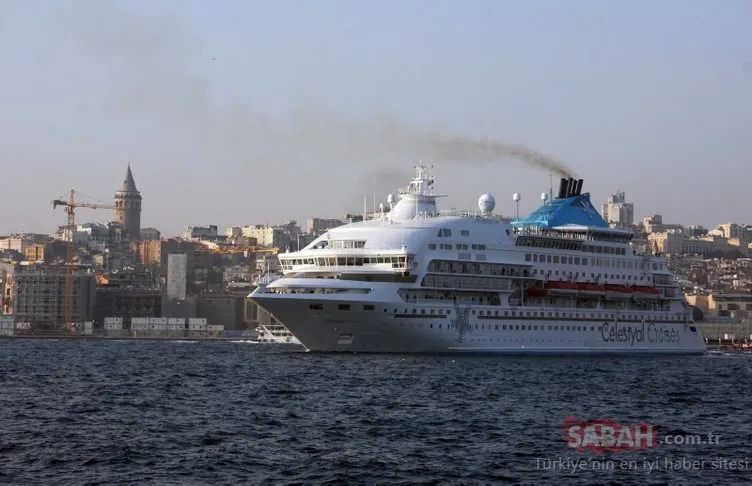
(378, 331)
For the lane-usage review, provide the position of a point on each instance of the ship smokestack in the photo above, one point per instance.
(579, 187)
(563, 188)
(570, 187)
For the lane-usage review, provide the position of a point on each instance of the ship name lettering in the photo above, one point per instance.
(616, 333)
(663, 334)
(619, 333)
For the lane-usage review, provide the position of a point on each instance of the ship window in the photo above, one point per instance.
(368, 307)
(528, 257)
(316, 306)
(431, 246)
(465, 233)
(556, 259)
(343, 307)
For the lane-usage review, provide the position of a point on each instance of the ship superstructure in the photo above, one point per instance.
(416, 279)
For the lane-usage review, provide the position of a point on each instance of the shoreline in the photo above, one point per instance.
(127, 338)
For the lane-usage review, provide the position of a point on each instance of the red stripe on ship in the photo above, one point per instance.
(567, 287)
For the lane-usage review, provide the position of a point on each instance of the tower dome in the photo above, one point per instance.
(128, 206)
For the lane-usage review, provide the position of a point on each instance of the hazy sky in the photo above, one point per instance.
(251, 112)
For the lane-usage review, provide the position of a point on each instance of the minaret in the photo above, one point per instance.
(128, 206)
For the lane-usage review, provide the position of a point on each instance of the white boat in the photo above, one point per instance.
(269, 329)
(414, 279)
(275, 333)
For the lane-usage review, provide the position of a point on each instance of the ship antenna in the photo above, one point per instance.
(550, 187)
(365, 208)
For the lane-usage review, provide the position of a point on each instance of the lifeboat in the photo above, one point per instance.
(562, 287)
(586, 289)
(645, 292)
(536, 292)
(619, 288)
(614, 291)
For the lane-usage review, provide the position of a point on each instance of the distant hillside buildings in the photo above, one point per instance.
(617, 211)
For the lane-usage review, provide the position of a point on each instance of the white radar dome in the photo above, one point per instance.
(516, 196)
(486, 203)
(544, 196)
(390, 199)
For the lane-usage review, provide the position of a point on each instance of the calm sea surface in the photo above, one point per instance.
(88, 412)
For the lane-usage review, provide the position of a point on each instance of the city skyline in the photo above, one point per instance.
(227, 112)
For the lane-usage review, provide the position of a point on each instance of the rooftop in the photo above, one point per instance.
(129, 185)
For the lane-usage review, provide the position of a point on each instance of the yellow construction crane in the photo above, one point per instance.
(70, 208)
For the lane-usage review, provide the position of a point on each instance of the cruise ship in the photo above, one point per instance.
(414, 279)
